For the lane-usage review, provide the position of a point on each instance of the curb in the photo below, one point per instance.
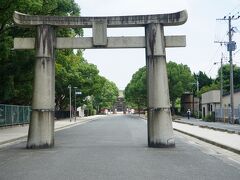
(210, 142)
(12, 140)
(213, 128)
(55, 130)
(207, 140)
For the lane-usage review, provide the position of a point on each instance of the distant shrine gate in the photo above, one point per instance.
(41, 129)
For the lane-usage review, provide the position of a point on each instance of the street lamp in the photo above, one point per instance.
(75, 110)
(70, 103)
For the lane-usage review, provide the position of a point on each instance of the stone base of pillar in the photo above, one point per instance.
(160, 131)
(160, 145)
(41, 130)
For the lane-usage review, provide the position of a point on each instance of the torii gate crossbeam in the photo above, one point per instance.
(41, 129)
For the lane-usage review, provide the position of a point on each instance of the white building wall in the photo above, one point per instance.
(211, 97)
(210, 101)
(236, 99)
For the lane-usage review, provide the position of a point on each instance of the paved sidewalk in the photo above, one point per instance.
(11, 134)
(231, 128)
(226, 136)
(222, 139)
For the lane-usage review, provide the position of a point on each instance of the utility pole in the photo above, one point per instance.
(230, 49)
(221, 79)
(70, 103)
(75, 106)
(221, 83)
(198, 97)
(231, 46)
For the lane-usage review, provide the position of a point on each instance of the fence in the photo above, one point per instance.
(16, 115)
(62, 114)
(224, 115)
(13, 114)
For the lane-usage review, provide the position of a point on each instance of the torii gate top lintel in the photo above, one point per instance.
(171, 19)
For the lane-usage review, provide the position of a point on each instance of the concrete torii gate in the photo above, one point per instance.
(41, 129)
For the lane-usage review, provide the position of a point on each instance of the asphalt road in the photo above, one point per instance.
(113, 148)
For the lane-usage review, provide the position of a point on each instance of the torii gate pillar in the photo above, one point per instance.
(41, 130)
(160, 131)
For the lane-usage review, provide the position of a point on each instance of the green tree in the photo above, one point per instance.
(203, 79)
(16, 67)
(213, 86)
(179, 77)
(136, 90)
(226, 77)
(107, 94)
(180, 80)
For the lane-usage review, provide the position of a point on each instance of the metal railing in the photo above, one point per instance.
(224, 115)
(14, 114)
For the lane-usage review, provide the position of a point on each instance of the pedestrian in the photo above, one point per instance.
(188, 113)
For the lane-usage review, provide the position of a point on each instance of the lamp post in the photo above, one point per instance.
(70, 103)
(198, 97)
(75, 106)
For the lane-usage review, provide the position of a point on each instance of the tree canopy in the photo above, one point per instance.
(214, 84)
(16, 67)
(180, 80)
(203, 79)
(179, 77)
(136, 90)
(226, 77)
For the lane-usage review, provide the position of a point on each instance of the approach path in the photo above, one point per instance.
(115, 147)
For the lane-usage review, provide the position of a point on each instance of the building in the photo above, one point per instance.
(189, 102)
(236, 98)
(120, 106)
(210, 102)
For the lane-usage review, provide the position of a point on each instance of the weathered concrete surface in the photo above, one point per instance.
(112, 42)
(99, 33)
(160, 131)
(172, 19)
(41, 129)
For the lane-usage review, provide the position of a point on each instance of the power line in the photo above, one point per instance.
(236, 52)
(221, 35)
(214, 57)
(238, 5)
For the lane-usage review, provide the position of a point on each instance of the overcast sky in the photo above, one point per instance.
(201, 29)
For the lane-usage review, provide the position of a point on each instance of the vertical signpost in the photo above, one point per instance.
(70, 102)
